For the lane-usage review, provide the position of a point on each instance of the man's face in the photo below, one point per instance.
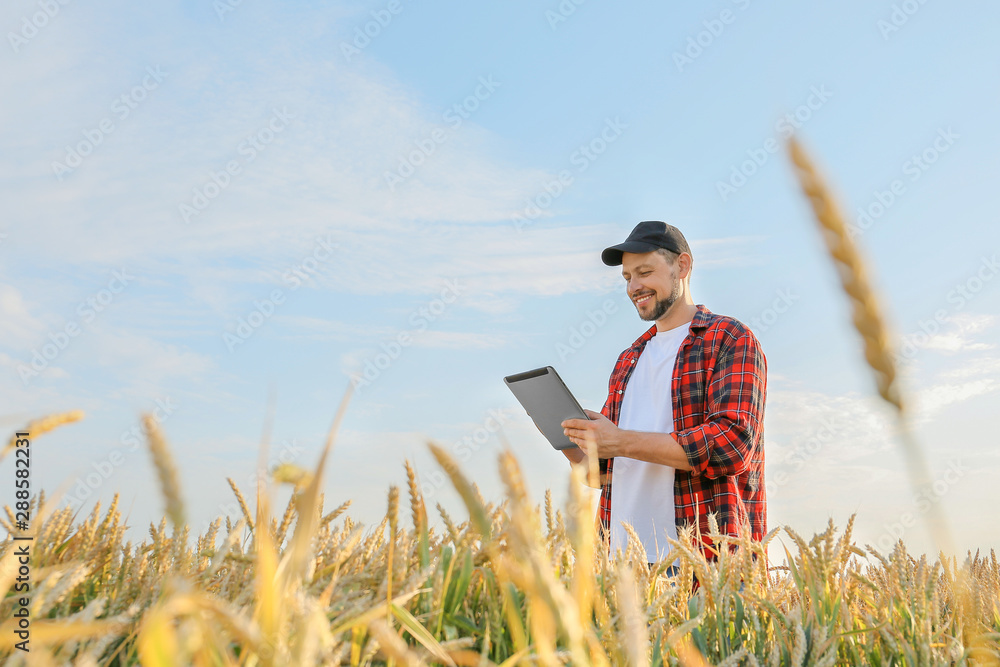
(652, 283)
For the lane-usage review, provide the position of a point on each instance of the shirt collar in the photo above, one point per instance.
(699, 322)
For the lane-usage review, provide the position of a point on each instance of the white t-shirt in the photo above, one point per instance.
(642, 493)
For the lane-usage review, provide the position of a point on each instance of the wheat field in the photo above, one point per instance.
(510, 583)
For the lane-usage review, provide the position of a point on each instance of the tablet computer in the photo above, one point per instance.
(548, 402)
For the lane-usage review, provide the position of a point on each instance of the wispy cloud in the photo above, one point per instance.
(933, 399)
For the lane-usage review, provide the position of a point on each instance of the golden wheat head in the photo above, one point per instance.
(853, 277)
(166, 470)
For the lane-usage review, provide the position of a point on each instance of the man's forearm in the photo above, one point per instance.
(659, 448)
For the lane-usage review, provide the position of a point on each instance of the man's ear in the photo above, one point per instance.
(684, 264)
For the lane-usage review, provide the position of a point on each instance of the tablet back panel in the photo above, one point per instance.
(545, 398)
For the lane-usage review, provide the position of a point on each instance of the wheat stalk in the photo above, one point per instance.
(853, 276)
(166, 470)
(868, 322)
(393, 516)
(417, 507)
(37, 427)
(241, 501)
(334, 514)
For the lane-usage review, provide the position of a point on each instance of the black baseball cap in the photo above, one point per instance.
(647, 236)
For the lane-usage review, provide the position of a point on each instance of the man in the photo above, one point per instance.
(681, 433)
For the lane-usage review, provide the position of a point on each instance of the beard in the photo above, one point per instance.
(661, 306)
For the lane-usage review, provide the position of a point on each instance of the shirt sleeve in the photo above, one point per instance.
(609, 401)
(724, 443)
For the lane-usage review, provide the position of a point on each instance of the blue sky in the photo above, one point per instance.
(173, 172)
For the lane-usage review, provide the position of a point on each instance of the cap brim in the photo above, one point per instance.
(613, 256)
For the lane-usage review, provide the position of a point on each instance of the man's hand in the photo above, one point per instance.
(602, 432)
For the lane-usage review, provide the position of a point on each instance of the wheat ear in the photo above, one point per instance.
(163, 461)
(853, 277)
(867, 320)
(36, 427)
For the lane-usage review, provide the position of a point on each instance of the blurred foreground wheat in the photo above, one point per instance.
(513, 584)
(870, 324)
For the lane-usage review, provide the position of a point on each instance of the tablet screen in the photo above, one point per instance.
(548, 402)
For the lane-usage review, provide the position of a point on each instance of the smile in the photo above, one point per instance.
(643, 299)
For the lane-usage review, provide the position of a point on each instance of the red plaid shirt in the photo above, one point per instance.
(718, 391)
